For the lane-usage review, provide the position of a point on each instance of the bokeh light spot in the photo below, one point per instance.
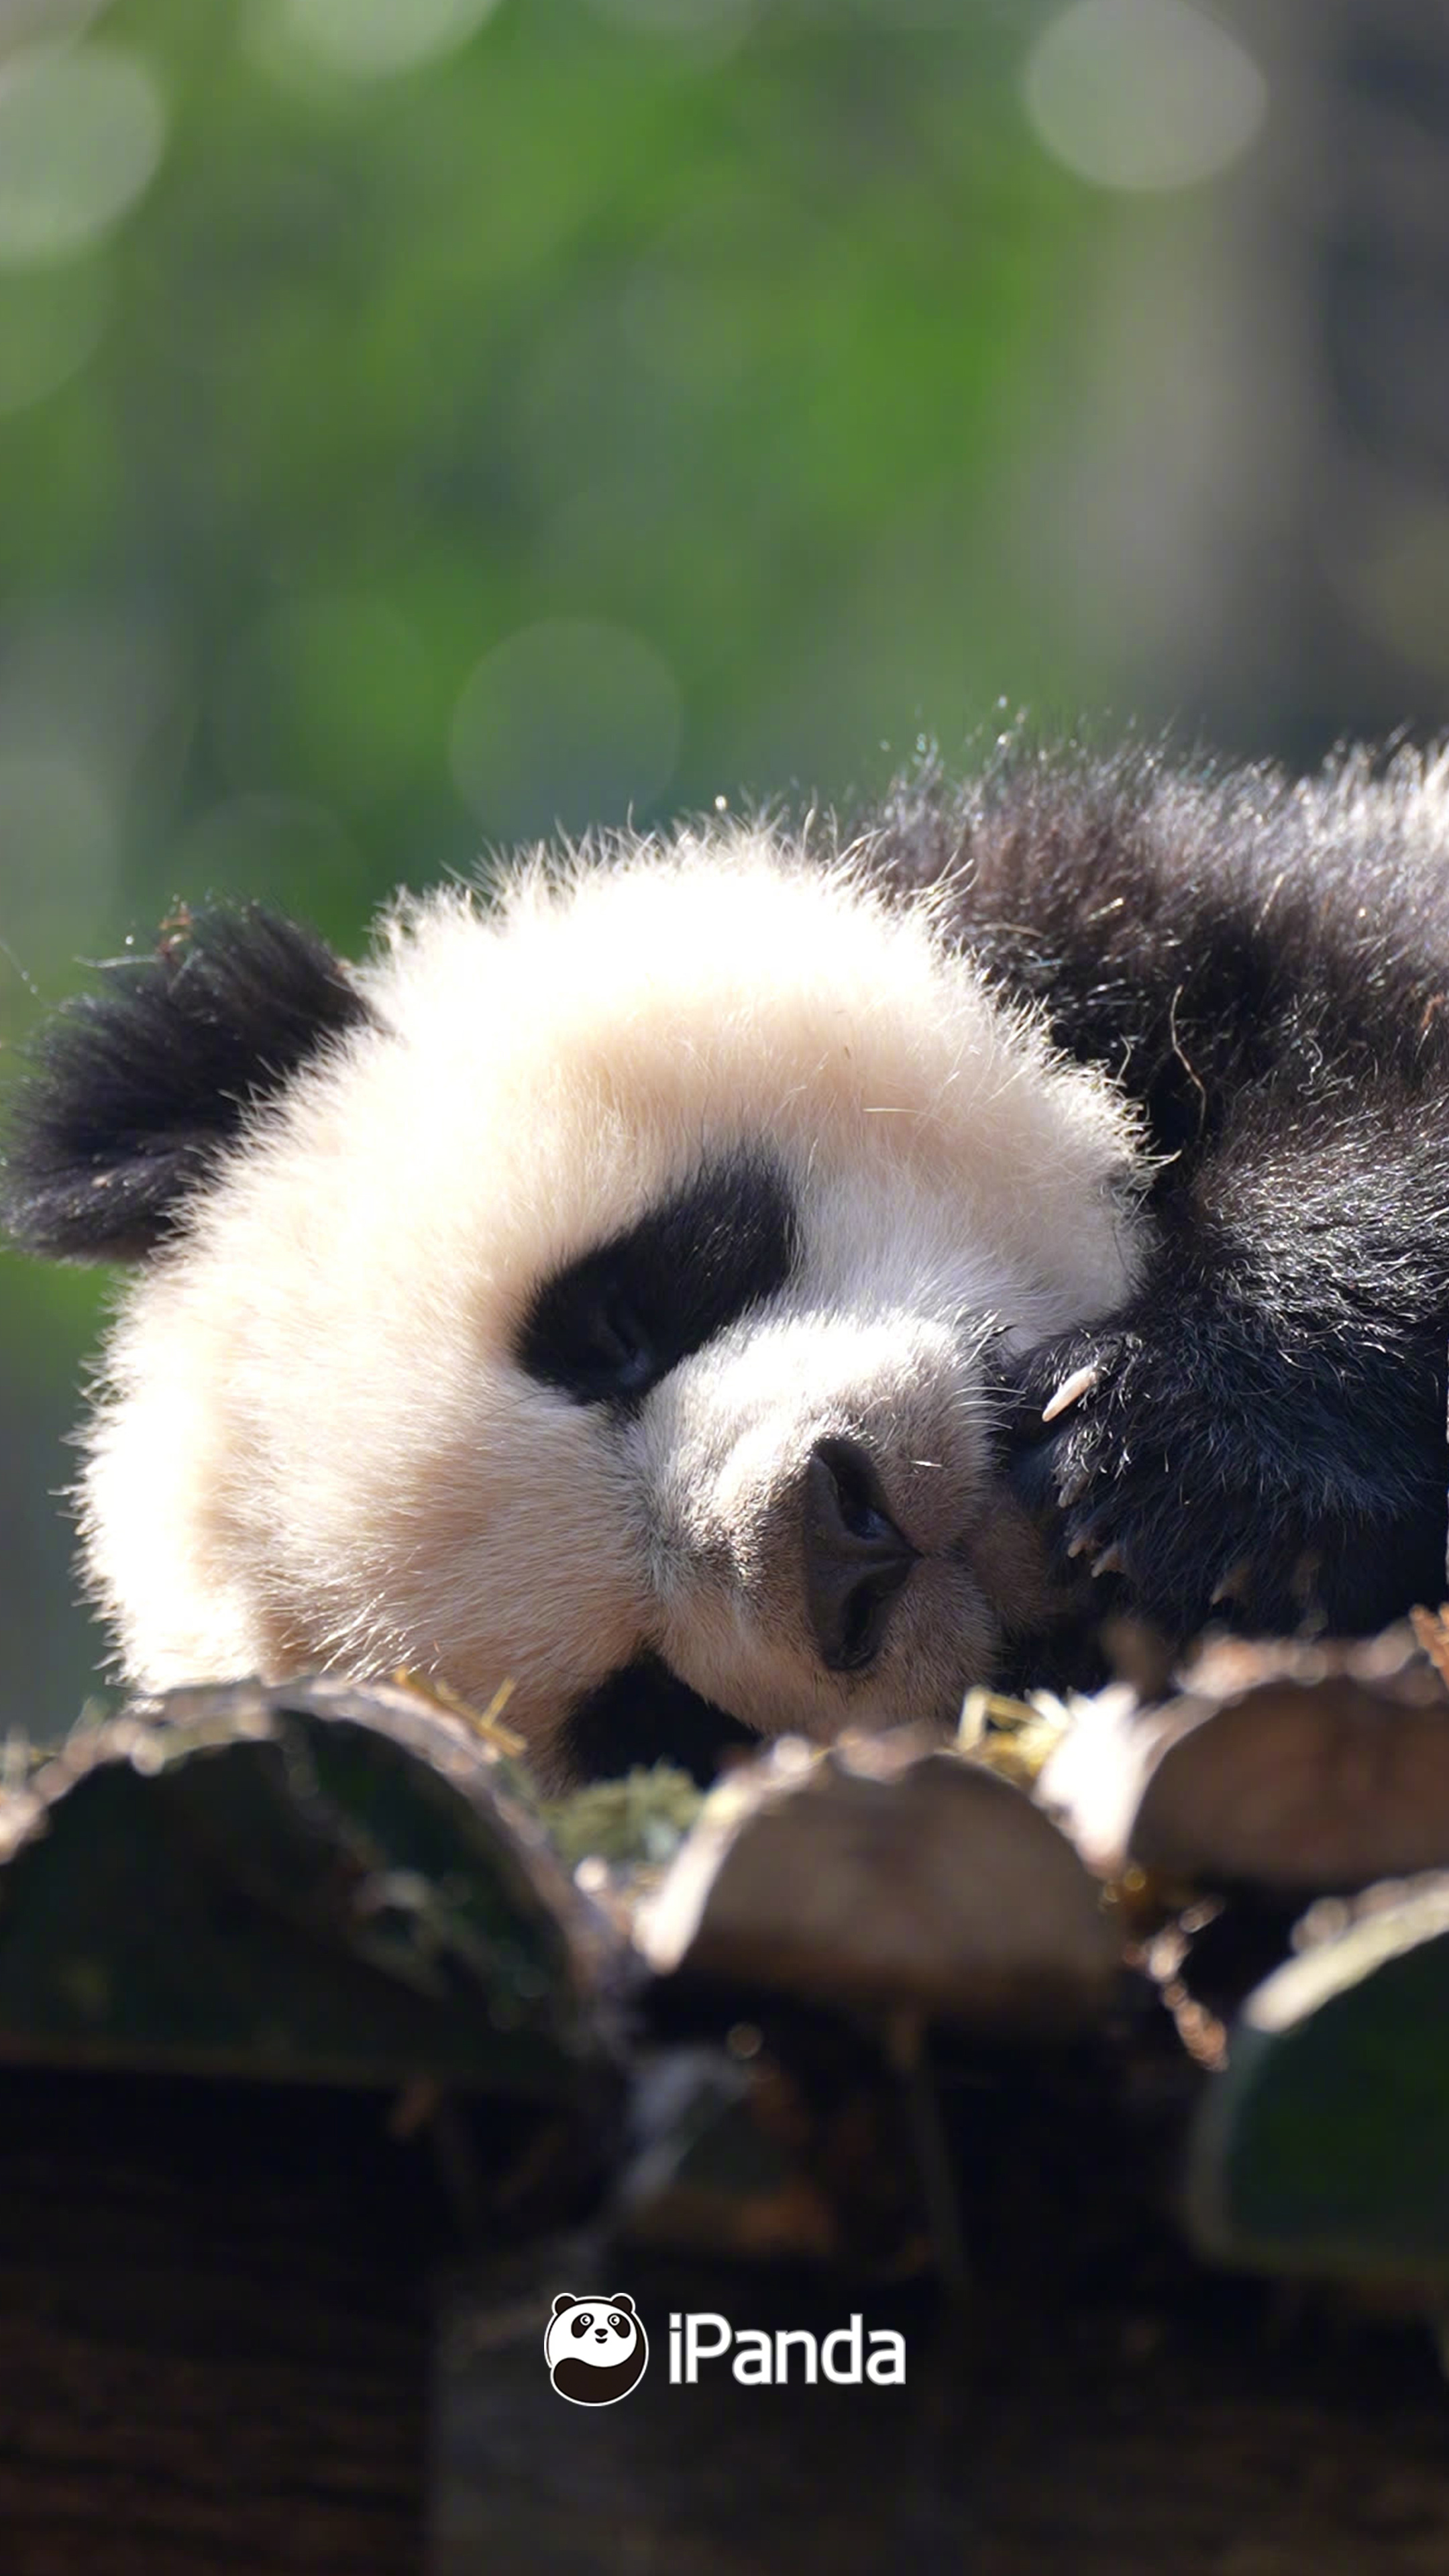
(376, 39)
(81, 134)
(568, 722)
(1143, 93)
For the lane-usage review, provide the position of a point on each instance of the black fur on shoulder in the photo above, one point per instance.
(1262, 963)
(133, 1091)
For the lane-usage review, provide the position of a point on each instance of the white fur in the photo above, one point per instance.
(315, 1444)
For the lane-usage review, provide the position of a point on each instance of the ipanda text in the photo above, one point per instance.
(848, 2356)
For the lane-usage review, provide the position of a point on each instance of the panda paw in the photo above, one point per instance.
(1128, 1488)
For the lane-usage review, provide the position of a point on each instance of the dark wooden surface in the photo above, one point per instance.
(1230, 2438)
(222, 2348)
(214, 2330)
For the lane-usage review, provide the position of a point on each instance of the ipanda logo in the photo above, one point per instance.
(792, 2355)
(596, 2348)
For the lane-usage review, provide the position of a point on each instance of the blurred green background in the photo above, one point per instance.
(425, 422)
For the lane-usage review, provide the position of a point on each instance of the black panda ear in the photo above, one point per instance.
(565, 2299)
(134, 1090)
(621, 2299)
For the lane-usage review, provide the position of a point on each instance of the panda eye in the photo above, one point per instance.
(583, 2322)
(618, 2323)
(609, 1349)
(609, 1326)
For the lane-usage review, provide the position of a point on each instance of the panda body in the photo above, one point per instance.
(651, 1286)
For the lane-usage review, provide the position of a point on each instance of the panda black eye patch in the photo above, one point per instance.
(613, 1323)
(645, 1714)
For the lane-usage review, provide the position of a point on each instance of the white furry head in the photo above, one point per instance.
(607, 1292)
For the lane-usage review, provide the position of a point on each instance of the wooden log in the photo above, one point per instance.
(214, 2329)
(1209, 2435)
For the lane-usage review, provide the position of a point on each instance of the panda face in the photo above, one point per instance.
(596, 2348)
(607, 1316)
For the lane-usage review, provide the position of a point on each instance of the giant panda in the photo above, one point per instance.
(757, 1277)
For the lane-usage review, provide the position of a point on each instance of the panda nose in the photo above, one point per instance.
(856, 1560)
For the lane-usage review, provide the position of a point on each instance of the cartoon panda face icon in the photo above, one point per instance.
(596, 2348)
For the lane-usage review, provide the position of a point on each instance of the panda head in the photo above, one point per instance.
(590, 1292)
(596, 2348)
